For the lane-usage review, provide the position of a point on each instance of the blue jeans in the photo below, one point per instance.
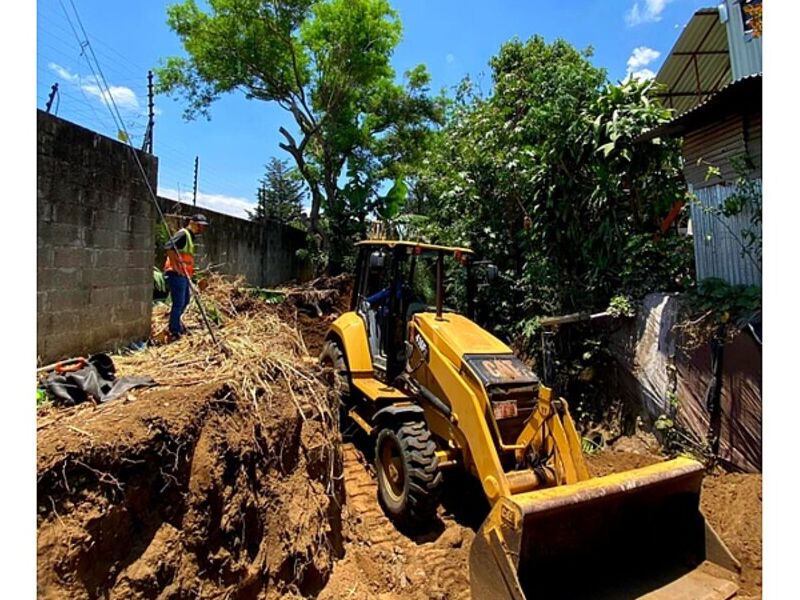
(179, 290)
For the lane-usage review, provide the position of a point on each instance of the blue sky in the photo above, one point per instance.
(452, 37)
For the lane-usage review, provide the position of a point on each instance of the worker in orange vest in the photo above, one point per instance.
(179, 268)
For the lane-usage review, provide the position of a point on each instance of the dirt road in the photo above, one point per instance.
(382, 563)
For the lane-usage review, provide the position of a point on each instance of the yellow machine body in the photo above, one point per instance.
(552, 531)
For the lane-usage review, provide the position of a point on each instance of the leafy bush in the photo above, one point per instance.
(543, 178)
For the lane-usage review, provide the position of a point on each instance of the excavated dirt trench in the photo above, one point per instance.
(191, 492)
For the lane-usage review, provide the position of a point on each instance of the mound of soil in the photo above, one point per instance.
(732, 504)
(184, 493)
(230, 488)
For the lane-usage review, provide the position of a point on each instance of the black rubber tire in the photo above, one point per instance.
(333, 356)
(414, 497)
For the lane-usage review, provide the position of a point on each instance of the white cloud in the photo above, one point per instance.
(124, 97)
(648, 11)
(63, 73)
(450, 58)
(229, 205)
(639, 59)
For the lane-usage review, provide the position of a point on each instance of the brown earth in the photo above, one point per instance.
(223, 482)
(732, 504)
(183, 493)
(382, 563)
(209, 490)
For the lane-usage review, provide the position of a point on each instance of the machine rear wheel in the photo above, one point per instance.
(409, 480)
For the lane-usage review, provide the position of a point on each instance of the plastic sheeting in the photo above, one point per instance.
(651, 365)
(644, 351)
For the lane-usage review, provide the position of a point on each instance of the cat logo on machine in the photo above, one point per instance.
(502, 369)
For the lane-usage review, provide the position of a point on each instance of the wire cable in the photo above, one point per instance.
(109, 101)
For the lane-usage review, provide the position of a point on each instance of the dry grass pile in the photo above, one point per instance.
(224, 481)
(257, 348)
(320, 296)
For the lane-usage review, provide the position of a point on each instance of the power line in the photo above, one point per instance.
(109, 101)
(134, 67)
(213, 179)
(60, 45)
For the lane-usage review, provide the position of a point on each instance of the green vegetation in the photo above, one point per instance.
(543, 178)
(159, 281)
(268, 296)
(280, 195)
(327, 64)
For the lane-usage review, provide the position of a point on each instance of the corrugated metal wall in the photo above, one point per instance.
(718, 245)
(745, 50)
(718, 145)
(713, 145)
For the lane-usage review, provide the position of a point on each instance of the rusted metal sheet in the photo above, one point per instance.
(740, 434)
(719, 247)
(650, 363)
(716, 145)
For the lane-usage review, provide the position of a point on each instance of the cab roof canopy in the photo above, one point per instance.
(411, 244)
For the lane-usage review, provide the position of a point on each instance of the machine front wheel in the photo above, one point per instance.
(337, 374)
(409, 480)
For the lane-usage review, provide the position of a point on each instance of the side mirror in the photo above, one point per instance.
(376, 260)
(491, 272)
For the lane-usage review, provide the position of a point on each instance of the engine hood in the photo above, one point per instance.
(455, 336)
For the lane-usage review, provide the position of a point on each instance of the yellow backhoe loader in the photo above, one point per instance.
(434, 391)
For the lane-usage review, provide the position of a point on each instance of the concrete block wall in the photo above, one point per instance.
(95, 242)
(266, 254)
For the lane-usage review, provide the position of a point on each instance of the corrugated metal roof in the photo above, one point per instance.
(698, 64)
(731, 98)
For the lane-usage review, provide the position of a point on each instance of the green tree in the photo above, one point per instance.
(545, 178)
(280, 195)
(327, 64)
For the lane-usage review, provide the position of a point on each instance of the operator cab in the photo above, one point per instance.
(396, 280)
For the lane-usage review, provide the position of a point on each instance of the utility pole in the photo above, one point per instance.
(53, 92)
(194, 192)
(147, 145)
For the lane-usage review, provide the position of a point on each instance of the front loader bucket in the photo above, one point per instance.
(627, 535)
